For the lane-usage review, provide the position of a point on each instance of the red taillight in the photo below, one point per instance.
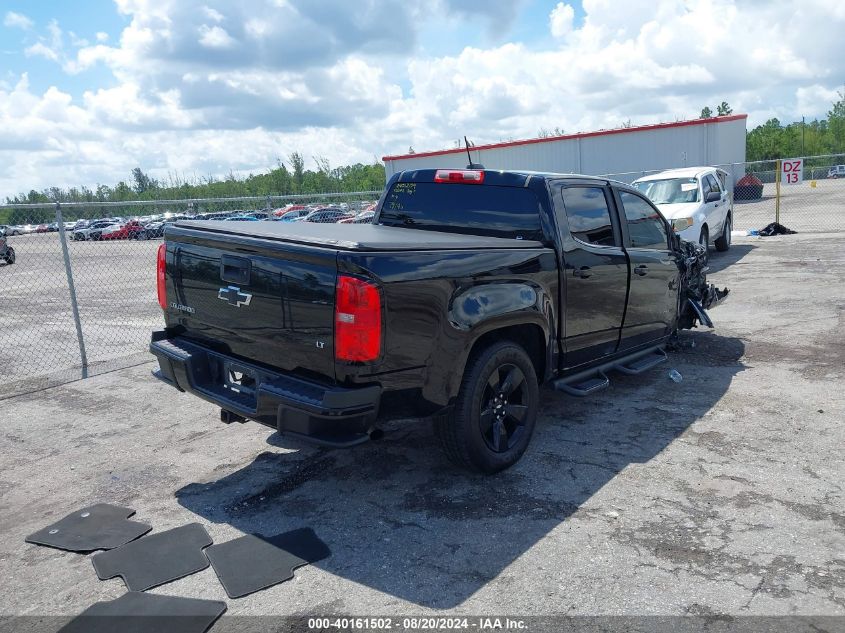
(357, 320)
(161, 267)
(468, 177)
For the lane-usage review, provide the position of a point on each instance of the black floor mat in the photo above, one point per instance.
(101, 526)
(250, 563)
(156, 559)
(136, 612)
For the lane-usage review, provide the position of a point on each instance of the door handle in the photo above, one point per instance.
(641, 270)
(582, 272)
(235, 270)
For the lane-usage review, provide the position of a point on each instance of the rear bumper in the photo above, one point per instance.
(323, 414)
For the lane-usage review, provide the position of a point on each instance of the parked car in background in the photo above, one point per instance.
(695, 201)
(365, 217)
(258, 215)
(126, 231)
(293, 215)
(3, 228)
(93, 231)
(242, 218)
(7, 253)
(837, 171)
(326, 215)
(155, 229)
(289, 208)
(219, 215)
(22, 229)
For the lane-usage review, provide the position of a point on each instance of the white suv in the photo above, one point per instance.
(837, 171)
(696, 201)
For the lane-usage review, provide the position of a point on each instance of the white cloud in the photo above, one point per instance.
(77, 41)
(39, 49)
(102, 36)
(642, 60)
(17, 20)
(213, 14)
(52, 46)
(215, 37)
(207, 86)
(561, 19)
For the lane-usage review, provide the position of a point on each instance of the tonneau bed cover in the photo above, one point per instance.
(355, 237)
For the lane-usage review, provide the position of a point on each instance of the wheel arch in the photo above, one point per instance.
(530, 336)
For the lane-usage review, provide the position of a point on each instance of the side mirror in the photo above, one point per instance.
(713, 196)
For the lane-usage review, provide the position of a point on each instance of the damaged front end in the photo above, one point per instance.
(697, 296)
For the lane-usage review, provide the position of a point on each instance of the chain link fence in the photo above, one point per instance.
(77, 281)
(815, 205)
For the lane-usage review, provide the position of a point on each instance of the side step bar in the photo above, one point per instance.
(594, 379)
(642, 364)
(584, 388)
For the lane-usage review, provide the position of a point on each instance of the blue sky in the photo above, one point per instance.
(199, 88)
(83, 19)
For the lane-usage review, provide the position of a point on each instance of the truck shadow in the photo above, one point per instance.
(403, 521)
(720, 261)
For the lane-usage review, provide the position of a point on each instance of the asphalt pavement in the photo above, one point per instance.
(721, 494)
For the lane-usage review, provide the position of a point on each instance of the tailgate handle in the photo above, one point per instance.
(234, 269)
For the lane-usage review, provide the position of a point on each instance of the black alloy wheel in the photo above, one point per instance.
(504, 408)
(493, 418)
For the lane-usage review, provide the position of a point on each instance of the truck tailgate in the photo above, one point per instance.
(271, 304)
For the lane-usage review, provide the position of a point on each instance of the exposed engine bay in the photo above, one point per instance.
(697, 295)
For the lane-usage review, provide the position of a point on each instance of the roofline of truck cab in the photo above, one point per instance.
(497, 177)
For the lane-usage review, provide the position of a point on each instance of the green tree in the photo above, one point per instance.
(723, 109)
(122, 192)
(836, 125)
(276, 181)
(706, 113)
(141, 180)
(297, 164)
(769, 141)
(103, 193)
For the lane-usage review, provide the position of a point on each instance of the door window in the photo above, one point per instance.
(712, 185)
(588, 215)
(646, 227)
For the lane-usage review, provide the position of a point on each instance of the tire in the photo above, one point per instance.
(704, 240)
(10, 256)
(724, 242)
(491, 392)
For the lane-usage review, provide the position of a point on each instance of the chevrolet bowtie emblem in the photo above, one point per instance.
(234, 297)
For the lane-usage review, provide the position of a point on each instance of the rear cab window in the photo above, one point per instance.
(588, 215)
(488, 210)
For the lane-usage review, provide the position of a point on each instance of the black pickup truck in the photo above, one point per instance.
(470, 289)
